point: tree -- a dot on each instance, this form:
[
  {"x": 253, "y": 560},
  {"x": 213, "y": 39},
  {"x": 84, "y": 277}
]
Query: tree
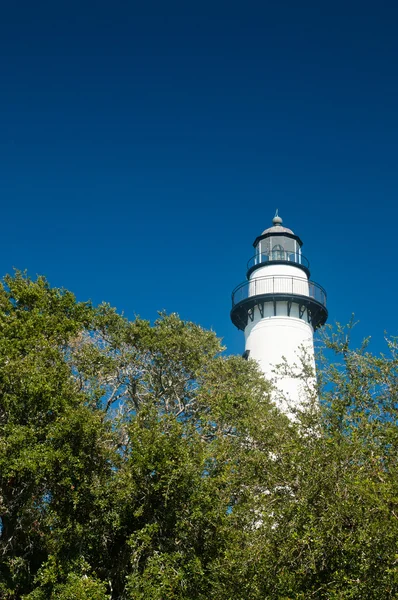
[
  {"x": 122, "y": 448},
  {"x": 184, "y": 417},
  {"x": 137, "y": 461},
  {"x": 52, "y": 445},
  {"x": 331, "y": 525}
]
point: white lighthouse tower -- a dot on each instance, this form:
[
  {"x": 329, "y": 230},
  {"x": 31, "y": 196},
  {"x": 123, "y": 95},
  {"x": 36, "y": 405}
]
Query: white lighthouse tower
[{"x": 279, "y": 308}]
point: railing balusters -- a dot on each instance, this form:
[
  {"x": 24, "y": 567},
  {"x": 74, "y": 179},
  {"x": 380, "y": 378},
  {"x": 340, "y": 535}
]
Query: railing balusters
[
  {"x": 280, "y": 284},
  {"x": 283, "y": 256}
]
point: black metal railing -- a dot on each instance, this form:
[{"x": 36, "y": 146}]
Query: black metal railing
[
  {"x": 278, "y": 255},
  {"x": 284, "y": 285}
]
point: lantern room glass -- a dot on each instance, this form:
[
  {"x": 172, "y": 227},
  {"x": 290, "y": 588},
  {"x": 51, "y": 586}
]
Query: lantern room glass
[{"x": 278, "y": 248}]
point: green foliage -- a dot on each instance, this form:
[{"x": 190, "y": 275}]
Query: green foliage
[
  {"x": 47, "y": 434},
  {"x": 79, "y": 584},
  {"x": 329, "y": 527},
  {"x": 136, "y": 461}
]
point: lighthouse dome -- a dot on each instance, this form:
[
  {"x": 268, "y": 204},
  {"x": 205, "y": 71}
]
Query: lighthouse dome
[{"x": 277, "y": 226}]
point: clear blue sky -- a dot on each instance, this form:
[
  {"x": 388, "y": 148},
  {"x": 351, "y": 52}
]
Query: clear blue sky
[{"x": 145, "y": 145}]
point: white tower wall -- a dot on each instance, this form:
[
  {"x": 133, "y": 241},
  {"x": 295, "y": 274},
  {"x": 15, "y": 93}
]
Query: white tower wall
[
  {"x": 279, "y": 279},
  {"x": 272, "y": 340},
  {"x": 286, "y": 270},
  {"x": 275, "y": 339}
]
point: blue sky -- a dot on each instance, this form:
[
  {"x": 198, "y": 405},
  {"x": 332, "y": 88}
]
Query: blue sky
[{"x": 144, "y": 146}]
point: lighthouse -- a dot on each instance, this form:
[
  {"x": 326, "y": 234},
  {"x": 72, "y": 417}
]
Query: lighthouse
[{"x": 279, "y": 308}]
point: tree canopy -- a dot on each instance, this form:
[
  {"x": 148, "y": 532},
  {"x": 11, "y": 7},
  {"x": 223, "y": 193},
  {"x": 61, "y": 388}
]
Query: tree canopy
[{"x": 138, "y": 461}]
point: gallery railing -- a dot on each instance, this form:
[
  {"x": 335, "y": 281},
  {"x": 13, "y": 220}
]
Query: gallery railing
[
  {"x": 284, "y": 285},
  {"x": 278, "y": 255}
]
